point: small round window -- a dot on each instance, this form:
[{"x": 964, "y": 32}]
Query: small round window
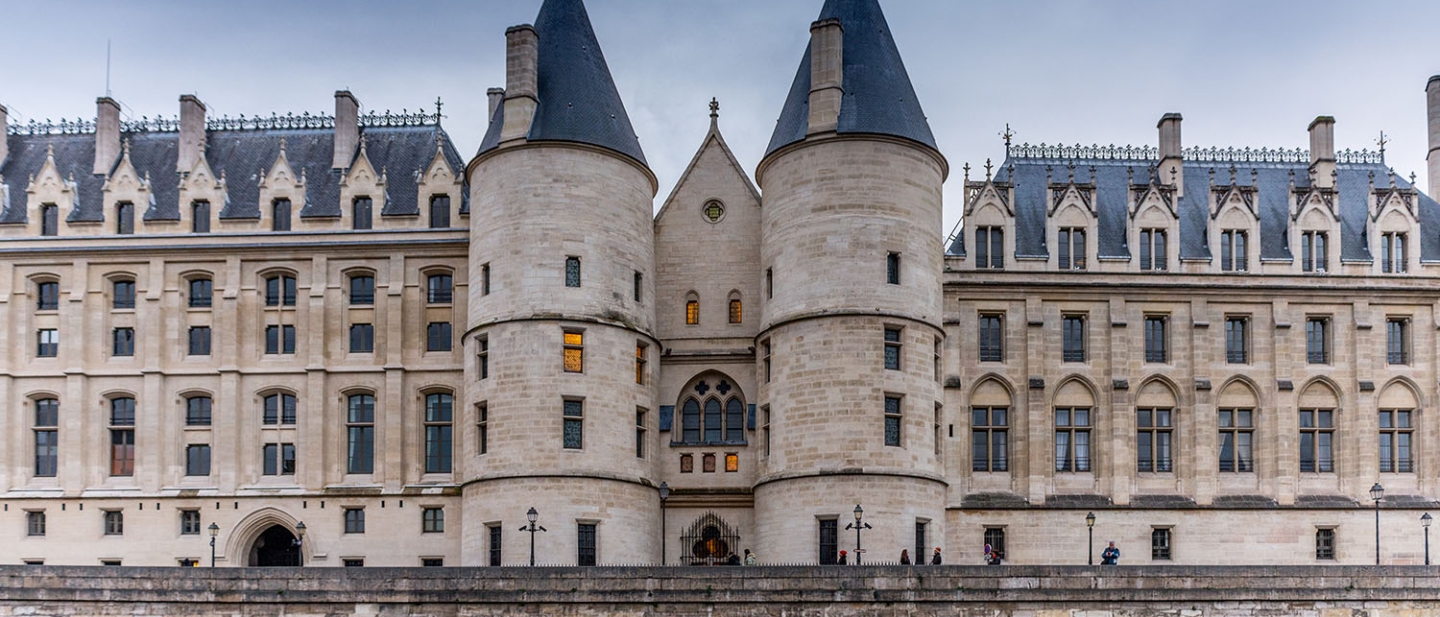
[{"x": 714, "y": 211}]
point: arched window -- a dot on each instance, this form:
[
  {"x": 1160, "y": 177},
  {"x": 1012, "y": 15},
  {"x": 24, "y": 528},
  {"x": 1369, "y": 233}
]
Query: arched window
[
  {"x": 122, "y": 294},
  {"x": 439, "y": 414},
  {"x": 201, "y": 291},
  {"x": 690, "y": 421},
  {"x": 736, "y": 309},
  {"x": 47, "y": 437},
  {"x": 712, "y": 414},
  {"x": 279, "y": 408},
  {"x": 692, "y": 309},
  {"x": 1074, "y": 419},
  {"x": 990, "y": 427},
  {"x": 362, "y": 289},
  {"x": 1237, "y": 408},
  {"x": 1397, "y": 429},
  {"x": 280, "y": 290},
  {"x": 439, "y": 288},
  {"x": 1318, "y": 407},
  {"x": 122, "y": 436},
  {"x": 360, "y": 434},
  {"x": 47, "y": 295},
  {"x": 1155, "y": 428}
]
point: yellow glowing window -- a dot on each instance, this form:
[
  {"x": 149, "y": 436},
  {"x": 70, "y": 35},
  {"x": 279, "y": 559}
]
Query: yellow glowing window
[
  {"x": 692, "y": 312},
  {"x": 732, "y": 462},
  {"x": 574, "y": 352},
  {"x": 639, "y": 364},
  {"x": 735, "y": 311}
]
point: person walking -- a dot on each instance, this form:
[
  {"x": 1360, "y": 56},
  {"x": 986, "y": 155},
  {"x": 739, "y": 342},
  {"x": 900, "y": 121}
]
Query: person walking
[
  {"x": 904, "y": 556},
  {"x": 935, "y": 561},
  {"x": 1111, "y": 556},
  {"x": 750, "y": 558},
  {"x": 842, "y": 558}
]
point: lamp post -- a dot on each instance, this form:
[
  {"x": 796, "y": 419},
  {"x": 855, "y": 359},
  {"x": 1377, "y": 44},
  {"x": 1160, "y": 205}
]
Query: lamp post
[
  {"x": 1425, "y": 522},
  {"x": 1377, "y": 493},
  {"x": 857, "y": 526},
  {"x": 215, "y": 531},
  {"x": 1090, "y": 525},
  {"x": 300, "y": 542},
  {"x": 532, "y": 516},
  {"x": 664, "y": 496}
]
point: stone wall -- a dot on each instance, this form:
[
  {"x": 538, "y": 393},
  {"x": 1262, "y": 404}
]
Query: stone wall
[{"x": 835, "y": 590}]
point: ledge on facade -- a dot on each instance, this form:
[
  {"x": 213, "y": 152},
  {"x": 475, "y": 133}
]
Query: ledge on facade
[
  {"x": 1324, "y": 501},
  {"x": 1409, "y": 501},
  {"x": 1161, "y": 502},
  {"x": 1244, "y": 501},
  {"x": 994, "y": 500},
  {"x": 1078, "y": 501}
]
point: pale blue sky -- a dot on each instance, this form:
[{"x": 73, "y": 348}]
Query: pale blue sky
[{"x": 1243, "y": 73}]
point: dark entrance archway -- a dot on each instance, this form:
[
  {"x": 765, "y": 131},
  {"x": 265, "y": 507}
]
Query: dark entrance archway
[{"x": 275, "y": 547}]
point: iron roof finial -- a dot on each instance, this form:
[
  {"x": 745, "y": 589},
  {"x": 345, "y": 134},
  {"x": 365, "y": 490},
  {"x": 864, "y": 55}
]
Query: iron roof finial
[
  {"x": 1412, "y": 179},
  {"x": 1008, "y": 135},
  {"x": 1173, "y": 172},
  {"x": 438, "y": 106},
  {"x": 1381, "y": 142},
  {"x": 967, "y": 171},
  {"x": 714, "y": 107},
  {"x": 987, "y": 170}
]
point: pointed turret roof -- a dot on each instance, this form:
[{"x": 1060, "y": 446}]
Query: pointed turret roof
[
  {"x": 879, "y": 98},
  {"x": 578, "y": 101}
]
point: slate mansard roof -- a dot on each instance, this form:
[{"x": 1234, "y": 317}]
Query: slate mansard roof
[
  {"x": 403, "y": 149},
  {"x": 879, "y": 98},
  {"x": 578, "y": 101},
  {"x": 1271, "y": 179}
]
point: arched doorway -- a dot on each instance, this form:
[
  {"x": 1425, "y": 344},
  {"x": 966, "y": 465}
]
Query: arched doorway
[{"x": 275, "y": 547}]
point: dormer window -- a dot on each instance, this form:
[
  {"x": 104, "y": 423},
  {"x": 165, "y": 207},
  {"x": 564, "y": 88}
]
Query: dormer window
[
  {"x": 125, "y": 218},
  {"x": 1232, "y": 251},
  {"x": 1072, "y": 248},
  {"x": 989, "y": 247},
  {"x": 280, "y": 221},
  {"x": 1392, "y": 252},
  {"x": 49, "y": 220},
  {"x": 440, "y": 212},
  {"x": 362, "y": 212},
  {"x": 1152, "y": 250},
  {"x": 1313, "y": 245},
  {"x": 200, "y": 217}
]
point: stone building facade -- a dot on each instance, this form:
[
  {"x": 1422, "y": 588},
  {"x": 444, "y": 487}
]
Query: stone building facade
[{"x": 280, "y": 330}]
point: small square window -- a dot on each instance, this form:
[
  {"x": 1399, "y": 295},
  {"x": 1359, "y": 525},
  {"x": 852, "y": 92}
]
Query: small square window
[
  {"x": 114, "y": 523},
  {"x": 732, "y": 462},
  {"x": 432, "y": 520},
  {"x": 1160, "y": 544},
  {"x": 354, "y": 520},
  {"x": 199, "y": 341},
  {"x": 687, "y": 463},
  {"x": 189, "y": 522},
  {"x": 354, "y": 563}
]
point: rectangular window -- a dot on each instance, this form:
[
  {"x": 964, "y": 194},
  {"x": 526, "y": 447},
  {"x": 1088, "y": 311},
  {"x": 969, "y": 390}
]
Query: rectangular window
[
  {"x": 892, "y": 420},
  {"x": 572, "y": 271},
  {"x": 47, "y": 437},
  {"x": 639, "y": 433},
  {"x": 482, "y": 411},
  {"x": 687, "y": 463},
  {"x": 692, "y": 312},
  {"x": 485, "y": 279},
  {"x": 1325, "y": 544},
  {"x": 1397, "y": 340},
  {"x": 362, "y": 338},
  {"x": 1237, "y": 432},
  {"x": 440, "y": 212},
  {"x": 125, "y": 218},
  {"x": 1317, "y": 340},
  {"x": 279, "y": 459},
  {"x": 280, "y": 291},
  {"x": 279, "y": 339},
  {"x": 990, "y": 438},
  {"x": 1072, "y": 248},
  {"x": 1073, "y": 338},
  {"x": 197, "y": 411},
  {"x": 707, "y": 463},
  {"x": 936, "y": 359},
  {"x": 199, "y": 341},
  {"x": 197, "y": 460},
  {"x": 35, "y": 524},
  {"x": 279, "y": 409},
  {"x": 640, "y": 363},
  {"x": 114, "y": 523},
  {"x": 49, "y": 220},
  {"x": 432, "y": 520},
  {"x": 48, "y": 296},
  {"x": 482, "y": 356},
  {"x": 439, "y": 431},
  {"x": 362, "y": 213},
  {"x": 354, "y": 520},
  {"x": 1153, "y": 250},
  {"x": 765, "y": 358},
  {"x": 201, "y": 290},
  {"x": 1234, "y": 256},
  {"x": 989, "y": 248},
  {"x": 574, "y": 351},
  {"x": 362, "y": 290},
  {"x": 1153, "y": 439},
  {"x": 1237, "y": 340},
  {"x": 892, "y": 349},
  {"x": 1157, "y": 339},
  {"x": 200, "y": 217},
  {"x": 769, "y": 283},
  {"x": 124, "y": 342},
  {"x": 1072, "y": 439},
  {"x": 892, "y": 269},
  {"x": 829, "y": 541},
  {"x": 992, "y": 337},
  {"x": 737, "y": 311},
  {"x": 360, "y": 434},
  {"x": 122, "y": 452},
  {"x": 437, "y": 336},
  {"x": 439, "y": 289},
  {"x": 920, "y": 543},
  {"x": 765, "y": 427},
  {"x": 639, "y": 285},
  {"x": 732, "y": 462},
  {"x": 1396, "y": 433},
  {"x": 1317, "y": 440},
  {"x": 189, "y": 522},
  {"x": 574, "y": 429},
  {"x": 496, "y": 545},
  {"x": 47, "y": 343},
  {"x": 1160, "y": 544},
  {"x": 123, "y": 295},
  {"x": 586, "y": 541},
  {"x": 1393, "y": 253},
  {"x": 353, "y": 563},
  {"x": 1313, "y": 251},
  {"x": 280, "y": 221},
  {"x": 995, "y": 539}
]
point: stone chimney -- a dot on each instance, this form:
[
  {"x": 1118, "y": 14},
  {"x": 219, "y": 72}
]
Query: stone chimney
[
  {"x": 1171, "y": 159},
  {"x": 1322, "y": 151},
  {"x": 827, "y": 74},
  {"x": 192, "y": 133},
  {"x": 496, "y": 96},
  {"x": 522, "y": 62},
  {"x": 347, "y": 128},
  {"x": 1432, "y": 108},
  {"x": 4, "y": 128},
  {"x": 107, "y": 134}
]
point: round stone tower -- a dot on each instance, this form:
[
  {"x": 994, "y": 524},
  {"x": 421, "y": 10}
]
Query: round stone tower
[
  {"x": 560, "y": 414},
  {"x": 852, "y": 251}
]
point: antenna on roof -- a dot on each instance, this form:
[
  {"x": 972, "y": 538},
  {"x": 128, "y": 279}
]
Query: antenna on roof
[{"x": 107, "y": 68}]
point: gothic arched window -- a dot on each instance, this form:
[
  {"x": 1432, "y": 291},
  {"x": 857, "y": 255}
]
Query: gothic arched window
[{"x": 712, "y": 414}]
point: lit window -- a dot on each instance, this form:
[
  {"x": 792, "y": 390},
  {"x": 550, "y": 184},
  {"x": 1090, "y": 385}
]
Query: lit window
[
  {"x": 574, "y": 343},
  {"x": 692, "y": 312},
  {"x": 736, "y": 310},
  {"x": 640, "y": 363}
]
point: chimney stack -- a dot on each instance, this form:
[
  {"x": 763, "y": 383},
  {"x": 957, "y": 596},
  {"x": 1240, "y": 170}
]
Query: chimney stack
[
  {"x": 107, "y": 134},
  {"x": 522, "y": 64},
  {"x": 4, "y": 131},
  {"x": 1432, "y": 107},
  {"x": 192, "y": 133},
  {"x": 347, "y": 128},
  {"x": 1322, "y": 151},
  {"x": 496, "y": 96},
  {"x": 827, "y": 74},
  {"x": 1171, "y": 160}
]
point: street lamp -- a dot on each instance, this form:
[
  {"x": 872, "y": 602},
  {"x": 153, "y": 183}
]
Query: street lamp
[
  {"x": 215, "y": 531},
  {"x": 299, "y": 543},
  {"x": 1377, "y": 493},
  {"x": 664, "y": 496},
  {"x": 857, "y": 526},
  {"x": 1090, "y": 524},
  {"x": 1425, "y": 522},
  {"x": 532, "y": 516}
]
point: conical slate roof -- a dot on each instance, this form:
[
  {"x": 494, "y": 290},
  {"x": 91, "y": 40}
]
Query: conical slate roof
[
  {"x": 879, "y": 98},
  {"x": 578, "y": 99}
]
